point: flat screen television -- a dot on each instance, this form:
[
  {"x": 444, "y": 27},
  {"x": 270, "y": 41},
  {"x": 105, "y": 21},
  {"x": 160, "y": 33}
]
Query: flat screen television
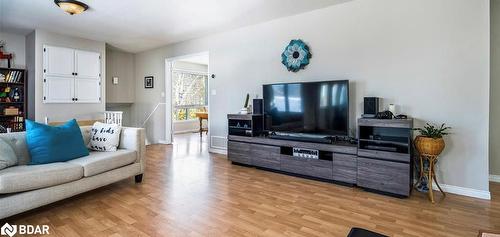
[{"x": 316, "y": 108}]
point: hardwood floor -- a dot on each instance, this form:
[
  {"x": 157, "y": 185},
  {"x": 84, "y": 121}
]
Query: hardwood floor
[{"x": 186, "y": 192}]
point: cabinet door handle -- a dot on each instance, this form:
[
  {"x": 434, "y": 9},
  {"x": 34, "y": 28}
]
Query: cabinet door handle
[
  {"x": 76, "y": 99},
  {"x": 76, "y": 73},
  {"x": 73, "y": 99}
]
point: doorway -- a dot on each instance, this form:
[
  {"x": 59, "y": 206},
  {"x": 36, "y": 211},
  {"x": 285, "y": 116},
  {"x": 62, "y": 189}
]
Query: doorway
[{"x": 187, "y": 100}]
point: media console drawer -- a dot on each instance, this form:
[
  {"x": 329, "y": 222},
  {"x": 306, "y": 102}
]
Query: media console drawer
[
  {"x": 386, "y": 176},
  {"x": 265, "y": 156},
  {"x": 304, "y": 166},
  {"x": 345, "y": 168},
  {"x": 239, "y": 152}
]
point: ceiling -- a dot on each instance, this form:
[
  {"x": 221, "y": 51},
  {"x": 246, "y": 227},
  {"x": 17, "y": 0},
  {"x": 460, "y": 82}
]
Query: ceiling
[{"x": 138, "y": 25}]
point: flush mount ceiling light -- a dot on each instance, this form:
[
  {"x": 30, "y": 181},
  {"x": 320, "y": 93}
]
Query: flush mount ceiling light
[{"x": 71, "y": 6}]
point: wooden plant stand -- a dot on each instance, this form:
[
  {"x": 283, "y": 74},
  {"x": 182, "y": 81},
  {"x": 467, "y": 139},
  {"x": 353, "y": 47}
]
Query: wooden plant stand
[{"x": 430, "y": 174}]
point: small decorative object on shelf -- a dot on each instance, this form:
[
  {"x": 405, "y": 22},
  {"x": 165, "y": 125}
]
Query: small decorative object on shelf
[
  {"x": 296, "y": 55},
  {"x": 429, "y": 144},
  {"x": 245, "y": 109},
  {"x": 4, "y": 55}
]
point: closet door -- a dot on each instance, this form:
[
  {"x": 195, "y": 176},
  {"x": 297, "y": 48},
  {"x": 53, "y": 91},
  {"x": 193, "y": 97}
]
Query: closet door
[
  {"x": 58, "y": 61},
  {"x": 88, "y": 77},
  {"x": 58, "y": 89},
  {"x": 87, "y": 64},
  {"x": 87, "y": 90}
]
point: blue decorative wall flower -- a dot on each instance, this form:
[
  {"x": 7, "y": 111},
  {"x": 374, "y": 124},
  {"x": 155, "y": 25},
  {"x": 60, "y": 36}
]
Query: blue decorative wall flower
[{"x": 296, "y": 55}]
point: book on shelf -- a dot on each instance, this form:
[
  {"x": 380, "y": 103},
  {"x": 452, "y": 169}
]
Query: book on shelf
[{"x": 13, "y": 76}]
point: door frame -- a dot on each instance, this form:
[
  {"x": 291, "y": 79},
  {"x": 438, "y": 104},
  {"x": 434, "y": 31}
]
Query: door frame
[{"x": 169, "y": 125}]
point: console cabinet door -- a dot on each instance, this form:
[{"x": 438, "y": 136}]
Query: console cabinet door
[
  {"x": 386, "y": 176},
  {"x": 58, "y": 61},
  {"x": 87, "y": 64},
  {"x": 239, "y": 152},
  {"x": 58, "y": 89},
  {"x": 266, "y": 156},
  {"x": 87, "y": 90},
  {"x": 345, "y": 168}
]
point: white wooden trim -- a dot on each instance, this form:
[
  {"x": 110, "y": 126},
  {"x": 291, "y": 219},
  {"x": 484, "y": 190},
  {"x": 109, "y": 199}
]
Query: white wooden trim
[
  {"x": 495, "y": 178},
  {"x": 218, "y": 151},
  {"x": 190, "y": 71},
  {"x": 475, "y": 193},
  {"x": 187, "y": 131}
]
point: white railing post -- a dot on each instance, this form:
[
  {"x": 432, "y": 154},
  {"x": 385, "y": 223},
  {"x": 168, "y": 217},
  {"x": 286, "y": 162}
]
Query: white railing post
[{"x": 113, "y": 117}]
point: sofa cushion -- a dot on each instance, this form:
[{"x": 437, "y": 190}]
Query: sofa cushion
[
  {"x": 100, "y": 162},
  {"x": 8, "y": 156},
  {"x": 17, "y": 140},
  {"x": 104, "y": 137},
  {"x": 48, "y": 144},
  {"x": 29, "y": 177}
]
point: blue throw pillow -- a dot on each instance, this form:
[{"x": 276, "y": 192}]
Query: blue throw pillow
[{"x": 48, "y": 144}]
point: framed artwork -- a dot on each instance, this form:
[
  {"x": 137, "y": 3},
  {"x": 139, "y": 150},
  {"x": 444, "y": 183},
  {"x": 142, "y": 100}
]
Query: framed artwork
[{"x": 149, "y": 82}]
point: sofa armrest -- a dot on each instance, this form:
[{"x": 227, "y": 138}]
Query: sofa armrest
[{"x": 134, "y": 139}]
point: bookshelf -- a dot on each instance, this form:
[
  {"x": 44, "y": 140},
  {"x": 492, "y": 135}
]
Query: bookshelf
[{"x": 13, "y": 99}]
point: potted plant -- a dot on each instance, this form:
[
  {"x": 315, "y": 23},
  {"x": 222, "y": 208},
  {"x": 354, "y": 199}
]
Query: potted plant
[{"x": 430, "y": 141}]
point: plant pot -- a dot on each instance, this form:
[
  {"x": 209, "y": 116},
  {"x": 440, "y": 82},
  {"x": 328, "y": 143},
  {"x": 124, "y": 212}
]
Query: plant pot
[{"x": 429, "y": 146}]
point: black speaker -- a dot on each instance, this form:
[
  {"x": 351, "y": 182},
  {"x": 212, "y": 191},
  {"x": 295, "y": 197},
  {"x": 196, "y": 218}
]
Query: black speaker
[
  {"x": 371, "y": 107},
  {"x": 258, "y": 106}
]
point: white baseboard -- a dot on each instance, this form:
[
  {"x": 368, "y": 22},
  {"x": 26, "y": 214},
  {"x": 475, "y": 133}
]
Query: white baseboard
[
  {"x": 163, "y": 142},
  {"x": 217, "y": 151},
  {"x": 187, "y": 131},
  {"x": 464, "y": 191},
  {"x": 495, "y": 178}
]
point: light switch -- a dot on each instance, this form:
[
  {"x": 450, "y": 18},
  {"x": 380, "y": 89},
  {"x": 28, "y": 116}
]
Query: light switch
[
  {"x": 214, "y": 92},
  {"x": 115, "y": 80},
  {"x": 162, "y": 94}
]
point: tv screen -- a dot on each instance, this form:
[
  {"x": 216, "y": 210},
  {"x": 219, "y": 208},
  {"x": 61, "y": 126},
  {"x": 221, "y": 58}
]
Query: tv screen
[{"x": 313, "y": 107}]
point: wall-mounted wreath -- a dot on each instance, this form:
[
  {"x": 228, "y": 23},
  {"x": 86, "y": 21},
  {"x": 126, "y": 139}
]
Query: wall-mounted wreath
[{"x": 296, "y": 55}]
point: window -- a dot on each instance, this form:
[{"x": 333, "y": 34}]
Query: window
[{"x": 189, "y": 94}]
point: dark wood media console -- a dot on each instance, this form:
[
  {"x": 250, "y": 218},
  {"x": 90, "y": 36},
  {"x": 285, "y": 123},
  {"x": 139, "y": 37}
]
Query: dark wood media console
[
  {"x": 336, "y": 162},
  {"x": 370, "y": 166}
]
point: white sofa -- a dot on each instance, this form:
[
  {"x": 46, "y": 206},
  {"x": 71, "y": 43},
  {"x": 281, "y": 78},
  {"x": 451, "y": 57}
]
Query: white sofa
[{"x": 24, "y": 187}]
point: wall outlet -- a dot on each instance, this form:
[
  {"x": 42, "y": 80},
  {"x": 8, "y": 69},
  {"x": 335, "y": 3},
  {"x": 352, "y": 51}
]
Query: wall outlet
[{"x": 115, "y": 80}]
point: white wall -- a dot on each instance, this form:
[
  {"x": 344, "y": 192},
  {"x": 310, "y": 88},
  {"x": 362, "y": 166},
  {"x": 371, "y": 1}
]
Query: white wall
[
  {"x": 495, "y": 89},
  {"x": 62, "y": 112},
  {"x": 119, "y": 64},
  {"x": 14, "y": 44},
  {"x": 429, "y": 56}
]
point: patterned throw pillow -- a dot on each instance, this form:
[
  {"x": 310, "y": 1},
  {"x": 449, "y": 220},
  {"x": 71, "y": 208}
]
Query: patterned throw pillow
[
  {"x": 104, "y": 137},
  {"x": 7, "y": 155}
]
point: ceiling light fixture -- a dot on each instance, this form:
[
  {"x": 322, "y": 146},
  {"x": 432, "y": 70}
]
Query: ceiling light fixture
[{"x": 71, "y": 6}]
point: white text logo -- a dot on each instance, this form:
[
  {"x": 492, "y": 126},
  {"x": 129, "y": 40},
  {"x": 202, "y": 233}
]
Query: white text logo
[{"x": 11, "y": 230}]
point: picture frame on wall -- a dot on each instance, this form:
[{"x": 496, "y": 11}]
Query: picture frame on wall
[{"x": 148, "y": 82}]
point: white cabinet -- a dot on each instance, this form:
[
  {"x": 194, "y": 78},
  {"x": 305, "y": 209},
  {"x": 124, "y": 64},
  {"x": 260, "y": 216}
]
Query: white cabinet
[
  {"x": 58, "y": 89},
  {"x": 87, "y": 64},
  {"x": 87, "y": 90},
  {"x": 71, "y": 76},
  {"x": 59, "y": 61}
]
